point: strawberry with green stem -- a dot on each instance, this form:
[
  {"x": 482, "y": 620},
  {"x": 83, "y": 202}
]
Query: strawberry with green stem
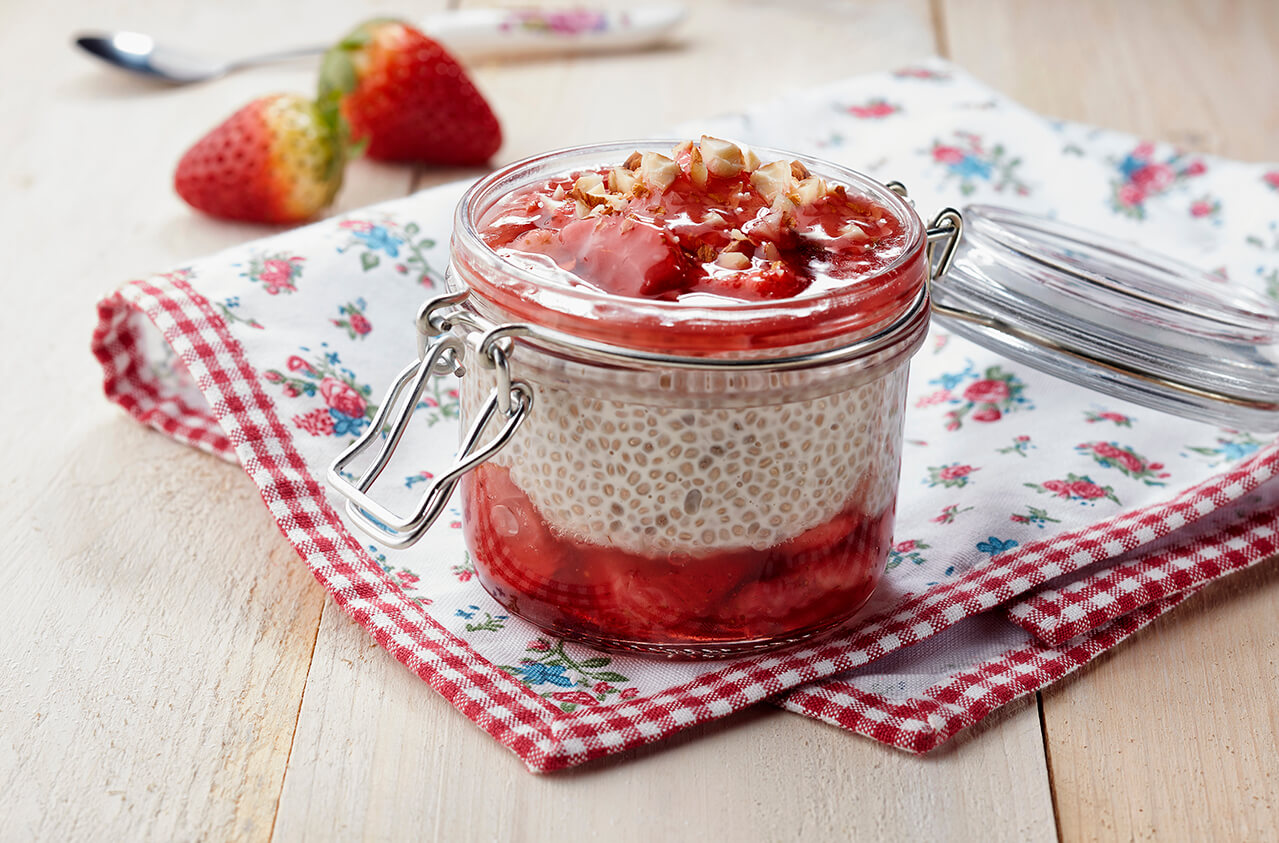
[
  {"x": 405, "y": 97},
  {"x": 277, "y": 160}
]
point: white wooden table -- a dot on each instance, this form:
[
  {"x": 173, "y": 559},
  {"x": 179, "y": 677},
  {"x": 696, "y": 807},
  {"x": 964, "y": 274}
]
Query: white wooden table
[{"x": 170, "y": 671}]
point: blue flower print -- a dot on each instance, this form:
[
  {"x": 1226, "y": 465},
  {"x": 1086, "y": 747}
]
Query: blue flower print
[
  {"x": 535, "y": 673},
  {"x": 379, "y": 238},
  {"x": 344, "y": 424},
  {"x": 971, "y": 167},
  {"x": 994, "y": 546}
]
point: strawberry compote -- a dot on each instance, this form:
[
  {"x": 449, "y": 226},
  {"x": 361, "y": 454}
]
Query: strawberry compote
[{"x": 696, "y": 508}]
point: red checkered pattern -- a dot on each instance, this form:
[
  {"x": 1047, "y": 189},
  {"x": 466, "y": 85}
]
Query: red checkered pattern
[
  {"x": 546, "y": 737},
  {"x": 963, "y": 699},
  {"x": 126, "y": 381},
  {"x": 1056, "y": 615}
]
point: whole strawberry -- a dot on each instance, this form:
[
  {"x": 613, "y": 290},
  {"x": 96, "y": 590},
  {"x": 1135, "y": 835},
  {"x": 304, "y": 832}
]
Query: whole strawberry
[
  {"x": 277, "y": 160},
  {"x": 407, "y": 98}
]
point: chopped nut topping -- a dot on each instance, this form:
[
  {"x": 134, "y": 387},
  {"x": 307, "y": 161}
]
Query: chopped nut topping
[
  {"x": 799, "y": 171},
  {"x": 697, "y": 170},
  {"x": 773, "y": 180},
  {"x": 853, "y": 231},
  {"x": 657, "y": 171},
  {"x": 620, "y": 180},
  {"x": 733, "y": 260},
  {"x": 723, "y": 159},
  {"x": 633, "y": 162},
  {"x": 810, "y": 190}
]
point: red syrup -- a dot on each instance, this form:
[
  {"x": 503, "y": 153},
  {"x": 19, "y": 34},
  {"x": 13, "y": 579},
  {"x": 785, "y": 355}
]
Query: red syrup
[
  {"x": 583, "y": 590},
  {"x": 717, "y": 242}
]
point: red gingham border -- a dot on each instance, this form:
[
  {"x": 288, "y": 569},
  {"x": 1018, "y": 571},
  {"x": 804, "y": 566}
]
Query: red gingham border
[
  {"x": 1057, "y": 615},
  {"x": 127, "y": 383},
  {"x": 925, "y": 722},
  {"x": 542, "y": 735}
]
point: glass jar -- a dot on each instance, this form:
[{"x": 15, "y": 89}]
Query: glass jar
[{"x": 694, "y": 478}]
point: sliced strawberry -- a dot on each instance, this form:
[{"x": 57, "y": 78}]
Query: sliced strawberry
[{"x": 621, "y": 255}]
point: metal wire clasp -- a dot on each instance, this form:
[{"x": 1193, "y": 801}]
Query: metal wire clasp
[
  {"x": 947, "y": 226},
  {"x": 440, "y": 353}
]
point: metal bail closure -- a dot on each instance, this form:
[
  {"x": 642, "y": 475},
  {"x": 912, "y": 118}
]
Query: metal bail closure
[{"x": 441, "y": 355}]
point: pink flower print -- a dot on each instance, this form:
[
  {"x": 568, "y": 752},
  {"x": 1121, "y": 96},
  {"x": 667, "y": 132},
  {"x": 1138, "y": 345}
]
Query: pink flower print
[
  {"x": 290, "y": 391},
  {"x": 273, "y": 376},
  {"x": 1153, "y": 178},
  {"x": 1131, "y": 195},
  {"x": 1196, "y": 168},
  {"x": 629, "y": 693},
  {"x": 905, "y": 547},
  {"x": 318, "y": 422},
  {"x": 873, "y": 109},
  {"x": 1058, "y": 487},
  {"x": 356, "y": 225},
  {"x": 574, "y": 697},
  {"x": 603, "y": 687},
  {"x": 1272, "y": 178},
  {"x": 275, "y": 273},
  {"x": 1117, "y": 418},
  {"x": 1201, "y": 208},
  {"x": 987, "y": 392},
  {"x": 1125, "y": 458},
  {"x": 1145, "y": 150},
  {"x": 1082, "y": 489},
  {"x": 343, "y": 397},
  {"x": 407, "y": 577},
  {"x": 359, "y": 324},
  {"x": 988, "y": 414},
  {"x": 1022, "y": 438},
  {"x": 954, "y": 472},
  {"x": 538, "y": 644},
  {"x": 939, "y": 397},
  {"x": 948, "y": 154},
  {"x": 297, "y": 364}
]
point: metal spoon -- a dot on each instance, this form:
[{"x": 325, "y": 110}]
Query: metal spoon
[
  {"x": 467, "y": 33},
  {"x": 138, "y": 53}
]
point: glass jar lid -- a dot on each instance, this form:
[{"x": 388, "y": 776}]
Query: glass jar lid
[{"x": 1119, "y": 319}]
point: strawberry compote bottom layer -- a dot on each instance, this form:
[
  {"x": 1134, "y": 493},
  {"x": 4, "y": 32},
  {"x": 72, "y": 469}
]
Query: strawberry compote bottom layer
[{"x": 720, "y": 603}]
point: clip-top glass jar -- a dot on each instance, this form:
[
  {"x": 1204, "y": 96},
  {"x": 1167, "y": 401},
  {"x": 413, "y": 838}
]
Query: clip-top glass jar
[{"x": 695, "y": 475}]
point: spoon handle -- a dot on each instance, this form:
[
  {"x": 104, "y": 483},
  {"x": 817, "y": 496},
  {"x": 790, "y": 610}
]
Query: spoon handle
[{"x": 271, "y": 58}]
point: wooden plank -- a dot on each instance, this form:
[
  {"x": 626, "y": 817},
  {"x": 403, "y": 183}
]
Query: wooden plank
[
  {"x": 1175, "y": 735},
  {"x": 378, "y": 754},
  {"x": 157, "y": 627},
  {"x": 1197, "y": 72}
]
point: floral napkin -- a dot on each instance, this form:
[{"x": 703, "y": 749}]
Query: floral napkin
[{"x": 1031, "y": 509}]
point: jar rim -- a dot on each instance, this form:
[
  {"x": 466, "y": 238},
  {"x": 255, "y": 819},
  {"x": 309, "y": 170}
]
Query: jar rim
[{"x": 716, "y": 327}]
